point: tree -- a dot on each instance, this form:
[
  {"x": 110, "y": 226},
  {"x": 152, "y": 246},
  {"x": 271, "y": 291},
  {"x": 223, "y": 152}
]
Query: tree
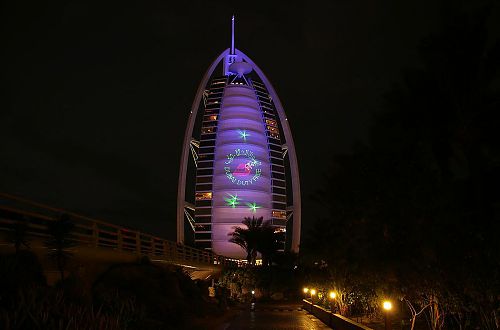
[
  {"x": 258, "y": 236},
  {"x": 269, "y": 242},
  {"x": 419, "y": 204},
  {"x": 247, "y": 237},
  {"x": 60, "y": 241},
  {"x": 18, "y": 235}
]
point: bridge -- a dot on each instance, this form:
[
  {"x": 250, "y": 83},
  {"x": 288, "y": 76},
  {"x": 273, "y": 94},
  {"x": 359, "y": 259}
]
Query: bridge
[{"x": 98, "y": 244}]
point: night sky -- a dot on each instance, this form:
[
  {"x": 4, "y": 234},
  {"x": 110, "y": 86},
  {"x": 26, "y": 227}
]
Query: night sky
[{"x": 99, "y": 94}]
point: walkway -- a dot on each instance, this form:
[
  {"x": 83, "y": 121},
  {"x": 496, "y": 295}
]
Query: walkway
[
  {"x": 272, "y": 316},
  {"x": 95, "y": 238}
]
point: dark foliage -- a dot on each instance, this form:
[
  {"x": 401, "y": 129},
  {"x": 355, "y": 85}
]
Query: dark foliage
[
  {"x": 60, "y": 241},
  {"x": 416, "y": 212},
  {"x": 258, "y": 236},
  {"x": 19, "y": 271},
  {"x": 17, "y": 235},
  {"x": 164, "y": 298}
]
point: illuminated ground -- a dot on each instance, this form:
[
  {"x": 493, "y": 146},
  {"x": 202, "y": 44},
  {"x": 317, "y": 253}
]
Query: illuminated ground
[{"x": 272, "y": 316}]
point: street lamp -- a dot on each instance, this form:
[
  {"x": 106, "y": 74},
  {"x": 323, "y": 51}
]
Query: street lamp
[
  {"x": 252, "y": 304},
  {"x": 332, "y": 295},
  {"x": 387, "y": 305},
  {"x": 313, "y": 292}
]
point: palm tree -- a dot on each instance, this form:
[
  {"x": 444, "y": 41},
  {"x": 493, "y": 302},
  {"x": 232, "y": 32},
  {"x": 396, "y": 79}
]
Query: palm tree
[
  {"x": 18, "y": 234},
  {"x": 258, "y": 236},
  {"x": 60, "y": 241},
  {"x": 269, "y": 242},
  {"x": 248, "y": 237}
]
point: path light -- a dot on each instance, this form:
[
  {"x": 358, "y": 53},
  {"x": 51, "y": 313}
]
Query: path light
[
  {"x": 253, "y": 292},
  {"x": 332, "y": 295},
  {"x": 387, "y": 305},
  {"x": 313, "y": 292}
]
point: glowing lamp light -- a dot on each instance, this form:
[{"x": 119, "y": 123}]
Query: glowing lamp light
[
  {"x": 313, "y": 292},
  {"x": 306, "y": 290},
  {"x": 387, "y": 305},
  {"x": 332, "y": 295}
]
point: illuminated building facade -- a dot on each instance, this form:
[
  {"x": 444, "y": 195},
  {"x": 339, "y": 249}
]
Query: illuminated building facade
[{"x": 243, "y": 154}]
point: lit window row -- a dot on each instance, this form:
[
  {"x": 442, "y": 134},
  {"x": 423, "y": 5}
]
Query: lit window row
[
  {"x": 271, "y": 122},
  {"x": 272, "y": 129},
  {"x": 207, "y": 130},
  {"x": 203, "y": 196},
  {"x": 279, "y": 214}
]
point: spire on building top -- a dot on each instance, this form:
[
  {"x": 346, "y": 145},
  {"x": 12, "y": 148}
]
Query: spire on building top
[{"x": 232, "y": 36}]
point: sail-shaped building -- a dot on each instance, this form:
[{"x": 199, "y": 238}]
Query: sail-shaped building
[{"x": 243, "y": 155}]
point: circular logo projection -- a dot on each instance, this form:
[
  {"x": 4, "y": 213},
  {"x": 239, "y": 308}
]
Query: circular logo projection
[{"x": 242, "y": 168}]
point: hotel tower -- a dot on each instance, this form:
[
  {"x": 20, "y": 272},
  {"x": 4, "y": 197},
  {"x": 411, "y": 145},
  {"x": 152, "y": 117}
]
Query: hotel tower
[{"x": 244, "y": 157}]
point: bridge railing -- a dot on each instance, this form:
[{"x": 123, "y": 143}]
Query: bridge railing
[{"x": 99, "y": 234}]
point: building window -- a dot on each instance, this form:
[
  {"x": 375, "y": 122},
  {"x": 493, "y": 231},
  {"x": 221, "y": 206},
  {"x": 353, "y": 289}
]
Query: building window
[
  {"x": 272, "y": 129},
  {"x": 202, "y": 236},
  {"x": 207, "y": 211},
  {"x": 204, "y": 164},
  {"x": 199, "y": 227},
  {"x": 275, "y": 148},
  {"x": 204, "y": 179},
  {"x": 207, "y": 150},
  {"x": 274, "y": 135},
  {"x": 203, "y": 203},
  {"x": 277, "y": 190},
  {"x": 279, "y": 206},
  {"x": 212, "y": 117},
  {"x": 278, "y": 198},
  {"x": 205, "y": 171},
  {"x": 278, "y": 183},
  {"x": 277, "y": 175},
  {"x": 271, "y": 122},
  {"x": 204, "y": 245},
  {"x": 203, "y": 196},
  {"x": 279, "y": 214},
  {"x": 209, "y": 137},
  {"x": 207, "y": 130},
  {"x": 203, "y": 187},
  {"x": 203, "y": 157}
]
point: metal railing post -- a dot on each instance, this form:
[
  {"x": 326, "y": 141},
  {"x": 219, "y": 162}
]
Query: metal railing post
[
  {"x": 95, "y": 234},
  {"x": 120, "y": 240},
  {"x": 138, "y": 243}
]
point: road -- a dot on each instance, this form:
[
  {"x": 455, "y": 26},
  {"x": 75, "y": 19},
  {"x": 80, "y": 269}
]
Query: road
[{"x": 289, "y": 317}]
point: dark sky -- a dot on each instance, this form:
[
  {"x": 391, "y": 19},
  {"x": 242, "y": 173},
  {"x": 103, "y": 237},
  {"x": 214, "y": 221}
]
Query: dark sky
[{"x": 99, "y": 93}]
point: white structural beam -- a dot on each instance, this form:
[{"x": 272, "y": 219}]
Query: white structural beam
[{"x": 181, "y": 189}]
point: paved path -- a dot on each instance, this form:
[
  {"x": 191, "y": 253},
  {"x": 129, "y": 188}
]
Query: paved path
[{"x": 267, "y": 317}]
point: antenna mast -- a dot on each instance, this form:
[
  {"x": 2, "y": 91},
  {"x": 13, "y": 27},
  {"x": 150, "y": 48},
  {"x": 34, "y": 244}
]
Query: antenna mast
[{"x": 232, "y": 36}]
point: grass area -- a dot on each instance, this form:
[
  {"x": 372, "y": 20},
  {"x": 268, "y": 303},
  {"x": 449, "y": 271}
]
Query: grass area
[{"x": 126, "y": 296}]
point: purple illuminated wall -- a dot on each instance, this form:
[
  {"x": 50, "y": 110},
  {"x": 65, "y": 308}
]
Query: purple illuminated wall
[{"x": 241, "y": 183}]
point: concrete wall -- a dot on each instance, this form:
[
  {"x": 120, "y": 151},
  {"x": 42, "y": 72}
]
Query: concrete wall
[{"x": 335, "y": 321}]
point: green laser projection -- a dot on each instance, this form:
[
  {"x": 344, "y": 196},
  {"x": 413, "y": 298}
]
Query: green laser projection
[
  {"x": 253, "y": 207},
  {"x": 243, "y": 134},
  {"x": 232, "y": 200}
]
